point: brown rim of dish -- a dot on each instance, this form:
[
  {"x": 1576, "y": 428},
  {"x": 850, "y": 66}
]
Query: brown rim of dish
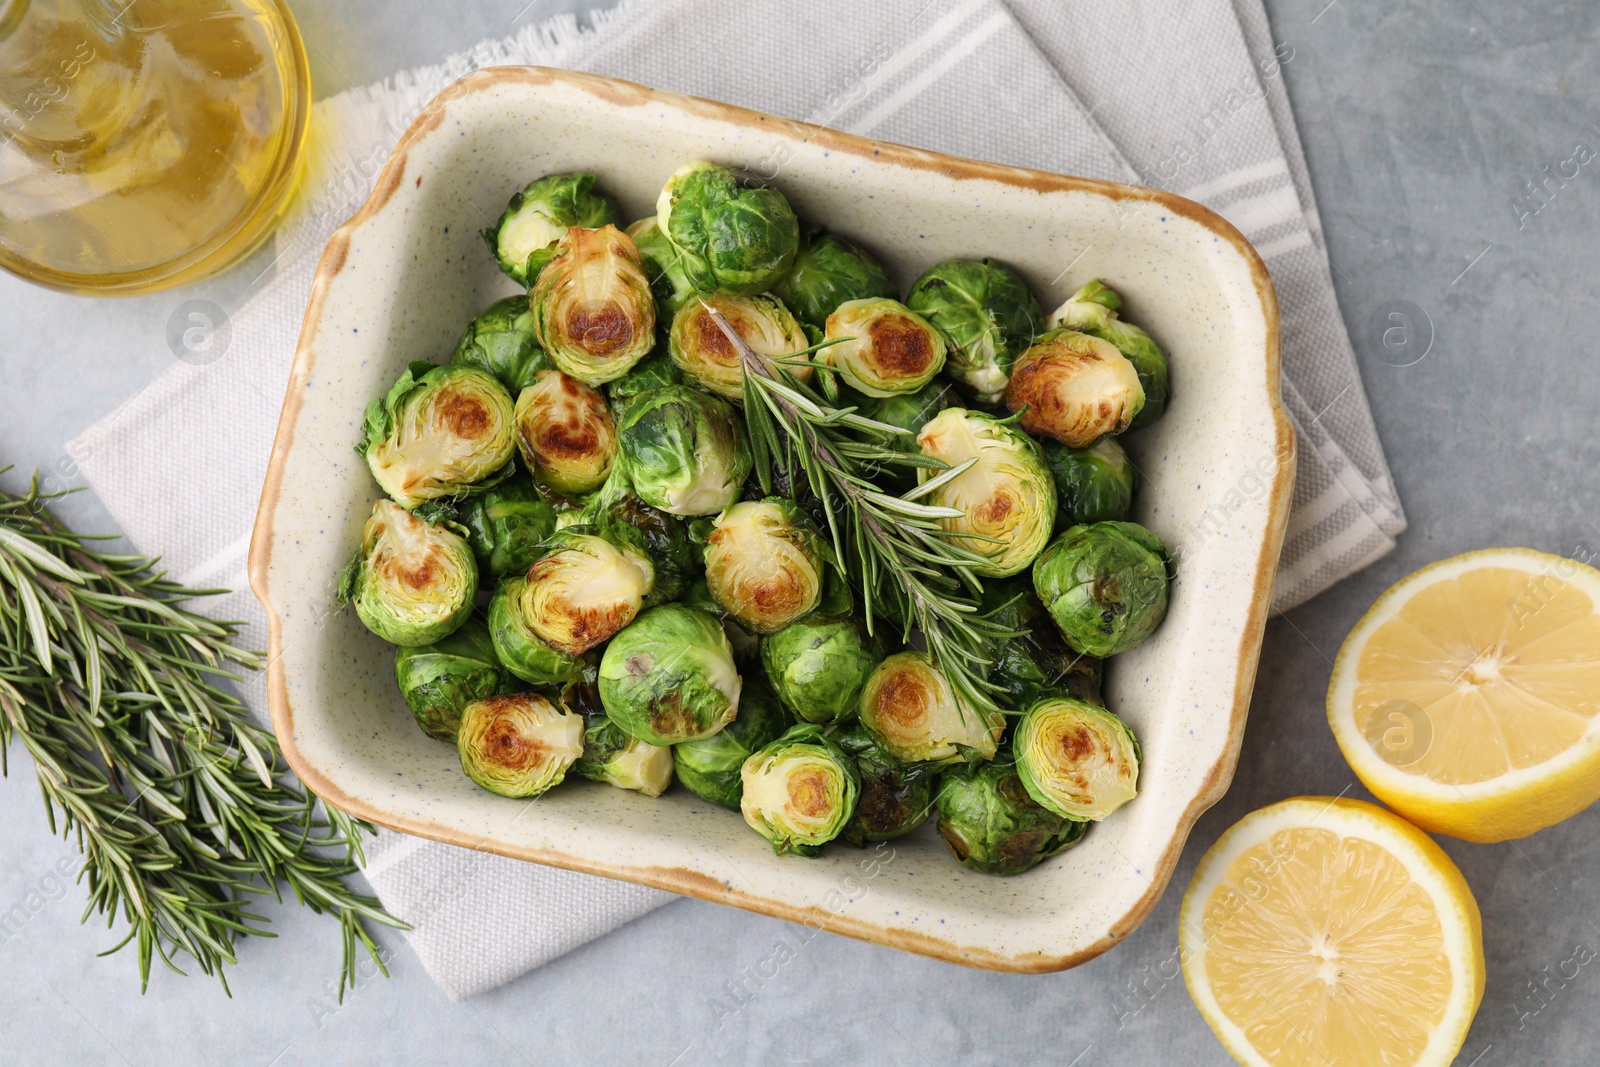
[{"x": 693, "y": 883}]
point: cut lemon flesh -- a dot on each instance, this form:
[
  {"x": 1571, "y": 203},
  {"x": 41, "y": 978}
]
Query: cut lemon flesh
[
  {"x": 1467, "y": 697},
  {"x": 1320, "y": 931}
]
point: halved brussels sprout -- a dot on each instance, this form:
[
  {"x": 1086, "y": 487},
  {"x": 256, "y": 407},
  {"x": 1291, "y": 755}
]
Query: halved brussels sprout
[
  {"x": 799, "y": 791},
  {"x": 440, "y": 679},
  {"x": 1105, "y": 585},
  {"x": 700, "y": 348},
  {"x": 536, "y": 218},
  {"x": 827, "y": 271},
  {"x": 764, "y": 563},
  {"x": 1037, "y": 662},
  {"x": 519, "y": 744},
  {"x": 665, "y": 539},
  {"x": 520, "y": 650},
  {"x": 1078, "y": 760},
  {"x": 732, "y": 234},
  {"x": 506, "y": 526},
  {"x": 909, "y": 706},
  {"x": 887, "y": 350},
  {"x": 441, "y": 432},
  {"x": 819, "y": 666},
  {"x": 1093, "y": 484},
  {"x": 500, "y": 342},
  {"x": 611, "y": 756},
  {"x": 1093, "y": 310},
  {"x": 987, "y": 316},
  {"x": 685, "y": 450},
  {"x": 653, "y": 372},
  {"x": 1074, "y": 388},
  {"x": 896, "y": 796},
  {"x": 565, "y": 433},
  {"x": 592, "y": 307},
  {"x": 669, "y": 676},
  {"x": 1007, "y": 498},
  {"x": 589, "y": 584},
  {"x": 993, "y": 826},
  {"x": 709, "y": 768},
  {"x": 411, "y": 583},
  {"x": 661, "y": 262}
]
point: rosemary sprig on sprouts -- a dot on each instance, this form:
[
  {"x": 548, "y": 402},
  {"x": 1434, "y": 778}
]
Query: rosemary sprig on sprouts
[
  {"x": 892, "y": 547},
  {"x": 176, "y": 797}
]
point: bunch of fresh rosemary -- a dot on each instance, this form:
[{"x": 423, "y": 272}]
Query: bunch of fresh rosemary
[
  {"x": 176, "y": 797},
  {"x": 892, "y": 547}
]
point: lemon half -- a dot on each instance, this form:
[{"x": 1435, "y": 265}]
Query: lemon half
[
  {"x": 1321, "y": 931},
  {"x": 1466, "y": 698}
]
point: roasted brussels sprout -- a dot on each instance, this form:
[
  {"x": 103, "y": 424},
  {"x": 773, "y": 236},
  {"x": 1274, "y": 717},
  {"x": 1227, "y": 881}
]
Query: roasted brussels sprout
[
  {"x": 536, "y": 218},
  {"x": 818, "y": 666},
  {"x": 1078, "y": 760},
  {"x": 592, "y": 307},
  {"x": 519, "y": 744},
  {"x": 1007, "y": 499},
  {"x": 987, "y": 316},
  {"x": 909, "y": 411},
  {"x": 884, "y": 349},
  {"x": 611, "y": 756},
  {"x": 709, "y": 768},
  {"x": 764, "y": 563},
  {"x": 520, "y": 650},
  {"x": 1093, "y": 310},
  {"x": 565, "y": 433},
  {"x": 653, "y": 372},
  {"x": 441, "y": 432},
  {"x": 589, "y": 584},
  {"x": 1036, "y": 662},
  {"x": 732, "y": 234},
  {"x": 1093, "y": 484},
  {"x": 685, "y": 450},
  {"x": 993, "y": 826},
  {"x": 669, "y": 676},
  {"x": 506, "y": 525},
  {"x": 799, "y": 791},
  {"x": 665, "y": 539},
  {"x": 1105, "y": 585},
  {"x": 660, "y": 260},
  {"x": 700, "y": 348},
  {"x": 500, "y": 342},
  {"x": 909, "y": 706},
  {"x": 896, "y": 796},
  {"x": 440, "y": 679},
  {"x": 411, "y": 583},
  {"x": 827, "y": 271},
  {"x": 1074, "y": 388}
]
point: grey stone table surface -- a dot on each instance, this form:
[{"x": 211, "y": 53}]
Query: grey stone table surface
[{"x": 1423, "y": 122}]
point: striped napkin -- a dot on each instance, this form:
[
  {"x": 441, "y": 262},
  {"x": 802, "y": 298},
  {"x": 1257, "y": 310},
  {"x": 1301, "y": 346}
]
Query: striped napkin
[{"x": 1186, "y": 95}]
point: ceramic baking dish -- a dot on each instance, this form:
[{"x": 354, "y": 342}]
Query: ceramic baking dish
[{"x": 399, "y": 281}]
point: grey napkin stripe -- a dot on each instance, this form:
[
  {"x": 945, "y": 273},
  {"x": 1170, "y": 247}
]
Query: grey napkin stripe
[
  {"x": 1259, "y": 41},
  {"x": 961, "y": 77}
]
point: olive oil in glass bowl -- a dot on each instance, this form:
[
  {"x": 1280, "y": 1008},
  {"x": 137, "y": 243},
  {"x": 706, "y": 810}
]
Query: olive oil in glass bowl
[{"x": 147, "y": 143}]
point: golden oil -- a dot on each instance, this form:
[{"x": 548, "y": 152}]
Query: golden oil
[{"x": 145, "y": 143}]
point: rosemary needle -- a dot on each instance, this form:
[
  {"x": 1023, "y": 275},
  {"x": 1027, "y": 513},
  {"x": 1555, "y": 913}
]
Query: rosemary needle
[{"x": 176, "y": 797}]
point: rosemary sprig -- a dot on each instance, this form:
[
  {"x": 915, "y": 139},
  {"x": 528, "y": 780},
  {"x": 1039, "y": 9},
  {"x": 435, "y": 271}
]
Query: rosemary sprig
[
  {"x": 176, "y": 797},
  {"x": 892, "y": 547}
]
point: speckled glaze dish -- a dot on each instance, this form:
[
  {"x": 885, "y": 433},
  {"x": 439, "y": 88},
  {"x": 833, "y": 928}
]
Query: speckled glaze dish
[{"x": 400, "y": 280}]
